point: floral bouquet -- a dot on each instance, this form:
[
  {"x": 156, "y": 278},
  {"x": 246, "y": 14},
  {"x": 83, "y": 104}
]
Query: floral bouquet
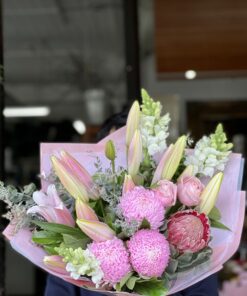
[{"x": 129, "y": 214}]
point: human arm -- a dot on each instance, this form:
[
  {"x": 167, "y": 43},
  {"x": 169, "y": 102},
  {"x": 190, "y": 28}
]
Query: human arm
[{"x": 206, "y": 287}]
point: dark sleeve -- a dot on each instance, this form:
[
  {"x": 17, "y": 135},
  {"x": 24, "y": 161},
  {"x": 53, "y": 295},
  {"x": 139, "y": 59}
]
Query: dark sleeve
[
  {"x": 57, "y": 286},
  {"x": 207, "y": 287}
]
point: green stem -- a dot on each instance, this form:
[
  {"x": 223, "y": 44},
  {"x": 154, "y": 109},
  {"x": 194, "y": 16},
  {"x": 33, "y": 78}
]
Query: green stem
[
  {"x": 102, "y": 208},
  {"x": 146, "y": 160},
  {"x": 113, "y": 173},
  {"x": 113, "y": 167}
]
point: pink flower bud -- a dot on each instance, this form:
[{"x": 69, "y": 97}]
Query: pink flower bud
[
  {"x": 55, "y": 263},
  {"x": 128, "y": 184},
  {"x": 166, "y": 192},
  {"x": 189, "y": 191},
  {"x": 96, "y": 230},
  {"x": 84, "y": 211},
  {"x": 135, "y": 154}
]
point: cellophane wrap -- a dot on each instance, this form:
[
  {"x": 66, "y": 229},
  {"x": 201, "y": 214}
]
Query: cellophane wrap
[{"x": 230, "y": 202}]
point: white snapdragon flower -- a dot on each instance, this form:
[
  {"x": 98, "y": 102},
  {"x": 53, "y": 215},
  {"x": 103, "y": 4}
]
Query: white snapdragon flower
[
  {"x": 154, "y": 133},
  {"x": 153, "y": 126},
  {"x": 206, "y": 159},
  {"x": 85, "y": 264}
]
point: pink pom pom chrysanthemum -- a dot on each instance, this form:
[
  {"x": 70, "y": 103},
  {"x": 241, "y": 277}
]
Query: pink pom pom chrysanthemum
[
  {"x": 149, "y": 252},
  {"x": 113, "y": 258},
  {"x": 139, "y": 204}
]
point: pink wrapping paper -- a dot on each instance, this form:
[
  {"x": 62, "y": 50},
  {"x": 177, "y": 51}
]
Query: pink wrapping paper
[{"x": 231, "y": 202}]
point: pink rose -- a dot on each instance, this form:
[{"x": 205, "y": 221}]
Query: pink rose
[
  {"x": 166, "y": 192},
  {"x": 189, "y": 191}
]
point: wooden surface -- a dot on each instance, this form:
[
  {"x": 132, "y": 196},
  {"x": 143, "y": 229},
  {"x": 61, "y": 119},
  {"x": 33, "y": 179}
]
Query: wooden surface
[{"x": 208, "y": 36}]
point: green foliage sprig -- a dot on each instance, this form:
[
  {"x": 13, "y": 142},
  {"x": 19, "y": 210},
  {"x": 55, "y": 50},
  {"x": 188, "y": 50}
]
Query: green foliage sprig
[{"x": 17, "y": 203}]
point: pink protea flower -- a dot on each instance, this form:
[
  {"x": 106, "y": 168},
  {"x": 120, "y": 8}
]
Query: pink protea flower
[
  {"x": 141, "y": 203},
  {"x": 113, "y": 258},
  {"x": 188, "y": 231},
  {"x": 189, "y": 190},
  {"x": 149, "y": 252},
  {"x": 166, "y": 191}
]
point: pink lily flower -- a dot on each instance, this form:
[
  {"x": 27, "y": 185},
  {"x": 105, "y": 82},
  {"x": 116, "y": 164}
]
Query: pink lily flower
[
  {"x": 97, "y": 231},
  {"x": 50, "y": 207}
]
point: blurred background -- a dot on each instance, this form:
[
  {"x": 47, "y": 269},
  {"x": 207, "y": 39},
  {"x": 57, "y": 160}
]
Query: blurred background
[{"x": 70, "y": 64}]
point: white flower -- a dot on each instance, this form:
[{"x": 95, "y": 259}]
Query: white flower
[
  {"x": 85, "y": 264},
  {"x": 154, "y": 132},
  {"x": 206, "y": 159}
]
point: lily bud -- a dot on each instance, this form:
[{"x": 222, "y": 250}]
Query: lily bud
[
  {"x": 97, "y": 231},
  {"x": 135, "y": 154},
  {"x": 84, "y": 211},
  {"x": 55, "y": 263},
  {"x": 69, "y": 180},
  {"x": 110, "y": 151},
  {"x": 174, "y": 159},
  {"x": 158, "y": 172},
  {"x": 188, "y": 172},
  {"x": 128, "y": 184},
  {"x": 210, "y": 194},
  {"x": 80, "y": 173},
  {"x": 132, "y": 122}
]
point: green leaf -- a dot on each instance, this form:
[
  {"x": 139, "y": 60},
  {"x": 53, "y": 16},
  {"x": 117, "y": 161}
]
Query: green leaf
[
  {"x": 50, "y": 249},
  {"x": 177, "y": 207},
  {"x": 218, "y": 224},
  {"x": 188, "y": 260},
  {"x": 172, "y": 266},
  {"x": 109, "y": 218},
  {"x": 123, "y": 281},
  {"x": 152, "y": 287},
  {"x": 174, "y": 251},
  {"x": 75, "y": 241},
  {"x": 99, "y": 208},
  {"x": 92, "y": 204},
  {"x": 59, "y": 228},
  {"x": 47, "y": 238},
  {"x": 145, "y": 224},
  {"x": 214, "y": 214},
  {"x": 131, "y": 282},
  {"x": 186, "y": 257}
]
